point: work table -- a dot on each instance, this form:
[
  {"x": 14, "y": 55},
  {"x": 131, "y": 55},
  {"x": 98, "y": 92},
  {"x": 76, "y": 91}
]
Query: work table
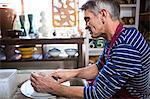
[{"x": 23, "y": 75}]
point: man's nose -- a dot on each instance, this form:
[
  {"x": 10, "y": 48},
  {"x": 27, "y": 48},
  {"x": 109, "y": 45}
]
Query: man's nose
[{"x": 87, "y": 25}]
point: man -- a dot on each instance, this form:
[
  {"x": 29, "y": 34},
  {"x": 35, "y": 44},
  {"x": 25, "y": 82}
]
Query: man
[{"x": 121, "y": 70}]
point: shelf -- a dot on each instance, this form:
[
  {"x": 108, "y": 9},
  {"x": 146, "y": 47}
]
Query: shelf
[
  {"x": 10, "y": 43},
  {"x": 45, "y": 59},
  {"x": 100, "y": 38},
  {"x": 130, "y": 26},
  {"x": 38, "y": 57},
  {"x": 145, "y": 14},
  {"x": 95, "y": 51},
  {"x": 127, "y": 5},
  {"x": 17, "y": 41}
]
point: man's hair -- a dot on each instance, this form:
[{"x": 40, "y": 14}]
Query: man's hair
[{"x": 112, "y": 6}]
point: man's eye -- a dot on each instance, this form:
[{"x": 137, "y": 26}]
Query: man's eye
[{"x": 86, "y": 19}]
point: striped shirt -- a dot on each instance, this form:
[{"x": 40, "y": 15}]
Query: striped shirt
[{"x": 127, "y": 66}]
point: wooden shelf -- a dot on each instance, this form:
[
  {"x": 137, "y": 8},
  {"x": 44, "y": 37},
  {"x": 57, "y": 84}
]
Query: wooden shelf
[
  {"x": 145, "y": 16},
  {"x": 17, "y": 41},
  {"x": 127, "y": 5},
  {"x": 95, "y": 51},
  {"x": 130, "y": 25},
  {"x": 44, "y": 57}
]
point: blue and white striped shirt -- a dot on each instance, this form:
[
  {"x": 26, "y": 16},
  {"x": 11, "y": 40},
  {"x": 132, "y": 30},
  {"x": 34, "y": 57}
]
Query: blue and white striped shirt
[{"x": 128, "y": 66}]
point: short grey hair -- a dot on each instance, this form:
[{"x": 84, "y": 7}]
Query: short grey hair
[{"x": 112, "y": 6}]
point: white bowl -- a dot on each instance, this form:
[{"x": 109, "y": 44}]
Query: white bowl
[
  {"x": 54, "y": 52},
  {"x": 71, "y": 51}
]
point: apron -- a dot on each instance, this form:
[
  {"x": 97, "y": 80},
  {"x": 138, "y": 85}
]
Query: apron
[{"x": 122, "y": 93}]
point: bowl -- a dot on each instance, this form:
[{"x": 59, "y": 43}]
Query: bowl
[
  {"x": 25, "y": 49},
  {"x": 54, "y": 52},
  {"x": 26, "y": 52},
  {"x": 26, "y": 56},
  {"x": 71, "y": 51}
]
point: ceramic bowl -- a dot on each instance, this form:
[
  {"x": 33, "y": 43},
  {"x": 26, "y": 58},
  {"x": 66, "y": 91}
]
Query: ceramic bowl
[
  {"x": 26, "y": 56},
  {"x": 54, "y": 52},
  {"x": 25, "y": 49},
  {"x": 71, "y": 51},
  {"x": 26, "y": 52}
]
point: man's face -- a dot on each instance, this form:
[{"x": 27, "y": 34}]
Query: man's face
[{"x": 93, "y": 23}]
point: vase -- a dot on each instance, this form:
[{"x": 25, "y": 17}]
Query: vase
[
  {"x": 22, "y": 22},
  {"x": 30, "y": 18}
]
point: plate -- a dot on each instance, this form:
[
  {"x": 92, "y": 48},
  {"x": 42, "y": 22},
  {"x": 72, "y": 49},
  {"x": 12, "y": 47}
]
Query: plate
[{"x": 28, "y": 91}]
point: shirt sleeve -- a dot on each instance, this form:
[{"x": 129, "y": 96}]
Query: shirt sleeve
[{"x": 124, "y": 63}]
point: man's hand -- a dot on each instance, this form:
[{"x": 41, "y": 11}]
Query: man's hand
[
  {"x": 50, "y": 83},
  {"x": 43, "y": 83},
  {"x": 64, "y": 74}
]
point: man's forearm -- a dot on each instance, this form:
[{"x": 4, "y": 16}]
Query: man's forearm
[
  {"x": 69, "y": 92},
  {"x": 89, "y": 72}
]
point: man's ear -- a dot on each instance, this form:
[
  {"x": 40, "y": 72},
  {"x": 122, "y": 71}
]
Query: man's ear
[{"x": 103, "y": 13}]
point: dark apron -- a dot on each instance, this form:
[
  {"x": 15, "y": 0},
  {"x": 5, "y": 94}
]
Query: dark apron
[{"x": 123, "y": 94}]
